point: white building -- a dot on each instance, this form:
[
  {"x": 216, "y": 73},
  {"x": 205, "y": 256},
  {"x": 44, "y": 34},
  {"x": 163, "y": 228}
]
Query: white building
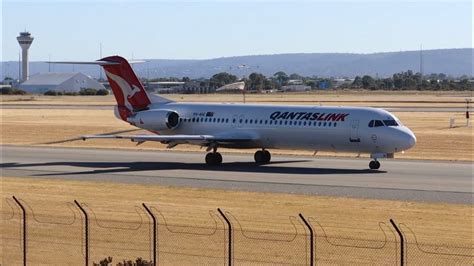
[{"x": 60, "y": 82}]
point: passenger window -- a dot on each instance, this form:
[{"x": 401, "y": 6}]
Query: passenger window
[
  {"x": 266, "y": 121},
  {"x": 324, "y": 124},
  {"x": 227, "y": 120},
  {"x": 261, "y": 122},
  {"x": 329, "y": 124},
  {"x": 246, "y": 121},
  {"x": 286, "y": 123},
  {"x": 335, "y": 124},
  {"x": 233, "y": 120},
  {"x": 319, "y": 125}
]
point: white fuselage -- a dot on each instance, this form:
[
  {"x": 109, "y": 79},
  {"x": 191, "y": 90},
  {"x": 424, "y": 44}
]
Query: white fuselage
[{"x": 313, "y": 128}]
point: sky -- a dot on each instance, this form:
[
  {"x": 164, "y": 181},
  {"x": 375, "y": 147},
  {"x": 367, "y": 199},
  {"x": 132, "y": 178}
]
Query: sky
[{"x": 75, "y": 30}]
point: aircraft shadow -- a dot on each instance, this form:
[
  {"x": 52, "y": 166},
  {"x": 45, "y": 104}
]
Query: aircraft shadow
[{"x": 242, "y": 167}]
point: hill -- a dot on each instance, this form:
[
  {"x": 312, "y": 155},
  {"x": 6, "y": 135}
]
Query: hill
[{"x": 454, "y": 62}]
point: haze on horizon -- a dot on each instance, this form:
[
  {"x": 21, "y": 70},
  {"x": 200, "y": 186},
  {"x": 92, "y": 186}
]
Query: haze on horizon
[{"x": 72, "y": 30}]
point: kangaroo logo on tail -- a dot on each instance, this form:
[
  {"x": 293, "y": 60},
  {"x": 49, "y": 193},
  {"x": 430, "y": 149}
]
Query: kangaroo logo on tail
[{"x": 128, "y": 90}]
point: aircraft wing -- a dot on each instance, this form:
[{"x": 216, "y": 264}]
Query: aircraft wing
[{"x": 231, "y": 138}]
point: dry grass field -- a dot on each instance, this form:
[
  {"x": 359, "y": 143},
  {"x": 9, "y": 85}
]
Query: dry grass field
[
  {"x": 52, "y": 126},
  {"x": 55, "y": 227},
  {"x": 440, "y": 225}
]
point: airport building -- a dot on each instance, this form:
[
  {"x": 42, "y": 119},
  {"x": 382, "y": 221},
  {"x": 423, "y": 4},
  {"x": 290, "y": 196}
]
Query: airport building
[{"x": 60, "y": 82}]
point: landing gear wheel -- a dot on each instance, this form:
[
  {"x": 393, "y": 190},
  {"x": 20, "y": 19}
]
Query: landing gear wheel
[
  {"x": 266, "y": 156},
  {"x": 262, "y": 157},
  {"x": 374, "y": 165},
  {"x": 213, "y": 158},
  {"x": 259, "y": 157}
]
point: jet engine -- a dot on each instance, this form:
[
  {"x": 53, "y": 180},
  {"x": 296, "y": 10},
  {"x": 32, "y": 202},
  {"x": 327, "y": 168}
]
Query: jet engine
[{"x": 155, "y": 120}]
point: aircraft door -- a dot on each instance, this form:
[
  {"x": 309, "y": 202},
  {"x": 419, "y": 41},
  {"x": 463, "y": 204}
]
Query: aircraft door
[{"x": 354, "y": 132}]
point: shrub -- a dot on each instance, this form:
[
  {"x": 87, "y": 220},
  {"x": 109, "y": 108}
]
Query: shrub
[
  {"x": 51, "y": 93},
  {"x": 138, "y": 262},
  {"x": 12, "y": 91},
  {"x": 102, "y": 92},
  {"x": 88, "y": 91}
]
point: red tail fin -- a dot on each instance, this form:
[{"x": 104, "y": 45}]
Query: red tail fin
[{"x": 127, "y": 88}]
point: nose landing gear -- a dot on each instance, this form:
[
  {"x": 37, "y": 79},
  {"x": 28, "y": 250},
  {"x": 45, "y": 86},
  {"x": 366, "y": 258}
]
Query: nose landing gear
[{"x": 374, "y": 165}]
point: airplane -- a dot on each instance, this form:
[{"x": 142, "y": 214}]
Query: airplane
[{"x": 359, "y": 130}]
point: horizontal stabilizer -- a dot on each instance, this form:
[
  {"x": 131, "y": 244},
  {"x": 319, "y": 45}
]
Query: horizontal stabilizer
[{"x": 98, "y": 62}]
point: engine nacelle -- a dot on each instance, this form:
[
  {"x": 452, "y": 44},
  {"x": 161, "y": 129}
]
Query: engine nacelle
[{"x": 155, "y": 120}]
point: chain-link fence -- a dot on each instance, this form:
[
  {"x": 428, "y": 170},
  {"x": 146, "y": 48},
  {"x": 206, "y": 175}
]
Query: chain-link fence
[{"x": 78, "y": 234}]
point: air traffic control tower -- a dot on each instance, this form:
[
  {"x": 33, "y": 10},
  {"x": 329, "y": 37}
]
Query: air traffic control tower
[{"x": 25, "y": 39}]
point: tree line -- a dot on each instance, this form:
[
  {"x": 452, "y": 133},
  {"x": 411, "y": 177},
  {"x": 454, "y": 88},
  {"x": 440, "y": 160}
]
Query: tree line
[{"x": 399, "y": 81}]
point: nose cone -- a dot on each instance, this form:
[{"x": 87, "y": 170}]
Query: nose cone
[
  {"x": 411, "y": 139},
  {"x": 399, "y": 139},
  {"x": 408, "y": 139}
]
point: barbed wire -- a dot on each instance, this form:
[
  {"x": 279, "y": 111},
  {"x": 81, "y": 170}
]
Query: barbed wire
[
  {"x": 420, "y": 247},
  {"x": 9, "y": 203}
]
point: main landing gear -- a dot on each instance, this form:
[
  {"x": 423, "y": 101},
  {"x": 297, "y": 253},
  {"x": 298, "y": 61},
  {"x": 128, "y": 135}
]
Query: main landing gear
[
  {"x": 213, "y": 158},
  {"x": 374, "y": 165},
  {"x": 262, "y": 157}
]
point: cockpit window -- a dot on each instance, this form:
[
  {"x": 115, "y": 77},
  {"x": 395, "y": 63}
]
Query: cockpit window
[
  {"x": 390, "y": 123},
  {"x": 378, "y": 123}
]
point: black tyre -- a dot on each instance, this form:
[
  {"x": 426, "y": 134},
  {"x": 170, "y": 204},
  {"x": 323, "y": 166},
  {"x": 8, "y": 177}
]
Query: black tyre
[
  {"x": 218, "y": 158},
  {"x": 259, "y": 157},
  {"x": 266, "y": 156},
  {"x": 210, "y": 159},
  {"x": 213, "y": 158},
  {"x": 373, "y": 165}
]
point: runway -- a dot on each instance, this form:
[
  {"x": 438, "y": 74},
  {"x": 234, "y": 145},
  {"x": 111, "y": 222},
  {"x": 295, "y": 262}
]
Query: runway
[{"x": 422, "y": 181}]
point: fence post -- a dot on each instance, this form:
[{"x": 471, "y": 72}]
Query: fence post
[
  {"x": 154, "y": 232},
  {"x": 24, "y": 228},
  {"x": 229, "y": 235},
  {"x": 311, "y": 236},
  {"x": 86, "y": 218},
  {"x": 402, "y": 243}
]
